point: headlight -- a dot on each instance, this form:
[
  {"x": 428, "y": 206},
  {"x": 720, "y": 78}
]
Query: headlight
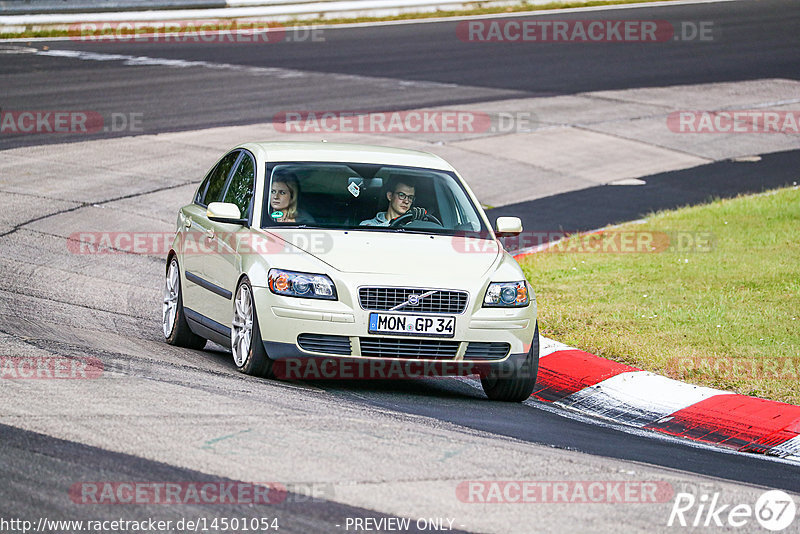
[
  {"x": 303, "y": 285},
  {"x": 506, "y": 295}
]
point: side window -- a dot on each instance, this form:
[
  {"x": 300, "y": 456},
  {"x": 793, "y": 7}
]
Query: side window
[
  {"x": 240, "y": 188},
  {"x": 211, "y": 188}
]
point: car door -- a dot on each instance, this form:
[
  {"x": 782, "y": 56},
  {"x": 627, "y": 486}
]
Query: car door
[
  {"x": 222, "y": 268},
  {"x": 198, "y": 246}
]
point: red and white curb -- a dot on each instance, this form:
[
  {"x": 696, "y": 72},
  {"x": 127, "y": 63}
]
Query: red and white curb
[{"x": 589, "y": 384}]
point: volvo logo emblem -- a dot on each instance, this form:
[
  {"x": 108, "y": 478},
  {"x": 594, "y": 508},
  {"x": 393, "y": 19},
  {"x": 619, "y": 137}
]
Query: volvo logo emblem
[{"x": 413, "y": 300}]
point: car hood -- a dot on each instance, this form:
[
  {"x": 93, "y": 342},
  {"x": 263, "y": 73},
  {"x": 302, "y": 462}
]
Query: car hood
[{"x": 356, "y": 251}]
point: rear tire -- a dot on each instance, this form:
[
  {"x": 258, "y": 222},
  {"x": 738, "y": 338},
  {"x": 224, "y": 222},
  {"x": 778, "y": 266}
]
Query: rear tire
[
  {"x": 176, "y": 329},
  {"x": 246, "y": 344},
  {"x": 515, "y": 388}
]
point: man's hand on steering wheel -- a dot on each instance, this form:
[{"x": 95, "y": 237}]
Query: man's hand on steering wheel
[
  {"x": 417, "y": 214},
  {"x": 414, "y": 214}
]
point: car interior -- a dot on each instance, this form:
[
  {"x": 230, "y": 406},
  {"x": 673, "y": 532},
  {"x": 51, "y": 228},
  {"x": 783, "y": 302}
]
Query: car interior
[{"x": 344, "y": 195}]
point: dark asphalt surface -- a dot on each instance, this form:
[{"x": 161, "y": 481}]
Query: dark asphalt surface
[
  {"x": 750, "y": 40},
  {"x": 42, "y": 477},
  {"x": 38, "y": 471},
  {"x": 466, "y": 406},
  {"x": 596, "y": 207}
]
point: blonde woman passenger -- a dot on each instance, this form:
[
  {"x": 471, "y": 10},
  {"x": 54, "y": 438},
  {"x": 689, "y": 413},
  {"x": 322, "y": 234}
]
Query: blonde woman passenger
[{"x": 285, "y": 198}]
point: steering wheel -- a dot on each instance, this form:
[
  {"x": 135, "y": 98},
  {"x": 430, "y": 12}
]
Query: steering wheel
[{"x": 408, "y": 217}]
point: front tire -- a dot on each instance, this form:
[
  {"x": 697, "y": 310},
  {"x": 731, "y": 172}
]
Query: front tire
[
  {"x": 246, "y": 344},
  {"x": 519, "y": 386},
  {"x": 176, "y": 329}
]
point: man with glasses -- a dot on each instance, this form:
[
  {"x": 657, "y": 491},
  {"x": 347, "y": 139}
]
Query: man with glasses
[{"x": 401, "y": 197}]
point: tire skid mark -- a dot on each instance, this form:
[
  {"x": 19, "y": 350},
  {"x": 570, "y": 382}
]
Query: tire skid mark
[{"x": 18, "y": 226}]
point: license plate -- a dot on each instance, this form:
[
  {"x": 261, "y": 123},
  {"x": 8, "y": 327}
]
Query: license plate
[{"x": 418, "y": 325}]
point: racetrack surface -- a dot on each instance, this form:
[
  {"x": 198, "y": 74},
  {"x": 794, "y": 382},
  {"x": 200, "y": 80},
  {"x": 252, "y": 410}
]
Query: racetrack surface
[
  {"x": 373, "y": 449},
  {"x": 394, "y": 67},
  {"x": 604, "y": 205}
]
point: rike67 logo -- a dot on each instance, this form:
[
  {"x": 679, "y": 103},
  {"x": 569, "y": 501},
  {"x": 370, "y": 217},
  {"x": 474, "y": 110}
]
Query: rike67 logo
[{"x": 774, "y": 510}]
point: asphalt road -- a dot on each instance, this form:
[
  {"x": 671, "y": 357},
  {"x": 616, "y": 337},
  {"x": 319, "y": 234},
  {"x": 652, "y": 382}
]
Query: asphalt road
[
  {"x": 39, "y": 493},
  {"x": 749, "y": 40},
  {"x": 379, "y": 449},
  {"x": 600, "y": 206}
]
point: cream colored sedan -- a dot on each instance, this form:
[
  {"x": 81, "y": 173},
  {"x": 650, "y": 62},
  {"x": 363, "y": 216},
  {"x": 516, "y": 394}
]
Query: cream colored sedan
[{"x": 322, "y": 260}]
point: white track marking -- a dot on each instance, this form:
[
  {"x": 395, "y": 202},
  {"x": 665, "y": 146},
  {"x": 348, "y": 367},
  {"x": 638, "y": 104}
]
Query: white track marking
[
  {"x": 637, "y": 398},
  {"x": 650, "y": 434},
  {"x": 548, "y": 346},
  {"x": 788, "y": 449},
  {"x": 8, "y": 49},
  {"x": 520, "y": 14},
  {"x": 589, "y": 419},
  {"x": 197, "y": 14},
  {"x": 274, "y": 72}
]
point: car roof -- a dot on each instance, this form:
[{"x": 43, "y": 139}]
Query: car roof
[{"x": 345, "y": 152}]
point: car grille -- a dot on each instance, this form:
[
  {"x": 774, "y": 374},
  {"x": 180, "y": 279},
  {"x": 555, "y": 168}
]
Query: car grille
[
  {"x": 412, "y": 349},
  {"x": 386, "y": 298},
  {"x": 325, "y": 343},
  {"x": 486, "y": 351}
]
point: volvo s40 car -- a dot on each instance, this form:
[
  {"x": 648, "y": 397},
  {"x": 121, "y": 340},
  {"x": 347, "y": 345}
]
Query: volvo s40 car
[{"x": 294, "y": 252}]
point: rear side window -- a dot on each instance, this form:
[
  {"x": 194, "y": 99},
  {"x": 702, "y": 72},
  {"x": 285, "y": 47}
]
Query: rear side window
[
  {"x": 214, "y": 184},
  {"x": 240, "y": 189}
]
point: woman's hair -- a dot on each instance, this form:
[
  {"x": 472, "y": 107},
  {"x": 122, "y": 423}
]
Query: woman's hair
[{"x": 293, "y": 184}]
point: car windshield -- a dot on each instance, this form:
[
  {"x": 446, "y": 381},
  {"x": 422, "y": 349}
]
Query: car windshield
[{"x": 369, "y": 197}]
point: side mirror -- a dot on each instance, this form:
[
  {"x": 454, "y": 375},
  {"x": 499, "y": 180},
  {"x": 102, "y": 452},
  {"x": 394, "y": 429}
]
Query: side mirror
[
  {"x": 507, "y": 226},
  {"x": 225, "y": 212}
]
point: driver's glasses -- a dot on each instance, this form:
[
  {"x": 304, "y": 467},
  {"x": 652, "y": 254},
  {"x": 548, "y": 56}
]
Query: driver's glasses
[{"x": 403, "y": 197}]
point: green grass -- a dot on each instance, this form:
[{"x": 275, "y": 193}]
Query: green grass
[
  {"x": 521, "y": 7},
  {"x": 726, "y": 316}
]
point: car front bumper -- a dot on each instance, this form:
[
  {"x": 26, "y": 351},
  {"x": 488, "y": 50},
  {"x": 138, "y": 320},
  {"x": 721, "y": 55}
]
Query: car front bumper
[{"x": 484, "y": 338}]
